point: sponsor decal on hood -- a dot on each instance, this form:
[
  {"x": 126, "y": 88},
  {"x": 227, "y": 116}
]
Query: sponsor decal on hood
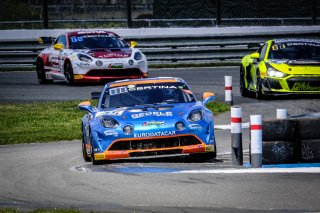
[{"x": 110, "y": 53}]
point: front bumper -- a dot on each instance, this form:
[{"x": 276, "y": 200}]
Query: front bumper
[
  {"x": 292, "y": 85},
  {"x": 97, "y": 75},
  {"x": 152, "y": 147}
]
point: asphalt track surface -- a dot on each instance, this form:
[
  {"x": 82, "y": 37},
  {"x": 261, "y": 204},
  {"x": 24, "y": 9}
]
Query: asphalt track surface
[{"x": 53, "y": 175}]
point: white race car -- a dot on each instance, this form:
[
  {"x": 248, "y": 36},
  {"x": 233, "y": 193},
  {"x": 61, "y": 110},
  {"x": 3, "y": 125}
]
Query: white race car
[{"x": 90, "y": 56}]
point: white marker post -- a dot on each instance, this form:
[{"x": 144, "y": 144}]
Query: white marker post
[
  {"x": 282, "y": 114},
  {"x": 228, "y": 89},
  {"x": 256, "y": 140},
  {"x": 236, "y": 136}
]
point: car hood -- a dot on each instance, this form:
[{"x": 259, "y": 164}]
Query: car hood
[
  {"x": 303, "y": 67},
  {"x": 109, "y": 53},
  {"x": 156, "y": 112}
]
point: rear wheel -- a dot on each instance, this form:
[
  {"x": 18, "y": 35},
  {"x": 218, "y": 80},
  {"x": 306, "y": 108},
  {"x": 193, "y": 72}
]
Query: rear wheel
[
  {"x": 68, "y": 73},
  {"x": 41, "y": 74}
]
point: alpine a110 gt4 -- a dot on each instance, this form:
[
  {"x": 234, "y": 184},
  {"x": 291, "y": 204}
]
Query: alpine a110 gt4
[
  {"x": 90, "y": 56},
  {"x": 147, "y": 118},
  {"x": 282, "y": 66}
]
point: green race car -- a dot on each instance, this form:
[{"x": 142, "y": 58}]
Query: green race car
[{"x": 282, "y": 66}]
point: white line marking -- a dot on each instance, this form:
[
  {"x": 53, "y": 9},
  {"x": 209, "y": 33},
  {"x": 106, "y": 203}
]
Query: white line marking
[
  {"x": 228, "y": 126},
  {"x": 254, "y": 170}
]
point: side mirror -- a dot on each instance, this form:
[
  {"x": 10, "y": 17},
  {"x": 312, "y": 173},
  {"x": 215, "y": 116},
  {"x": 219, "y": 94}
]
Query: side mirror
[
  {"x": 133, "y": 44},
  {"x": 255, "y": 55},
  {"x": 86, "y": 106},
  {"x": 58, "y": 46},
  {"x": 207, "y": 97}
]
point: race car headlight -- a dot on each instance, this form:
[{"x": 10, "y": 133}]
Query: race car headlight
[
  {"x": 108, "y": 122},
  {"x": 179, "y": 126},
  {"x": 128, "y": 129},
  {"x": 275, "y": 73},
  {"x": 195, "y": 115},
  {"x": 138, "y": 56},
  {"x": 85, "y": 58}
]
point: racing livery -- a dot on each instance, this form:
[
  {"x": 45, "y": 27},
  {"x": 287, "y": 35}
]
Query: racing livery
[
  {"x": 90, "y": 56},
  {"x": 147, "y": 118},
  {"x": 282, "y": 66}
]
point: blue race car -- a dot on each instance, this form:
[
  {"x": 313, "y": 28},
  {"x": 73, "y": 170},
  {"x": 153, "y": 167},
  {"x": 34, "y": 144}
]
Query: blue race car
[{"x": 147, "y": 118}]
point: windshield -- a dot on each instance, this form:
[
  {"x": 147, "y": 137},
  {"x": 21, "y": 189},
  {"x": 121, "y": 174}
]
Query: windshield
[
  {"x": 96, "y": 41},
  {"x": 146, "y": 94},
  {"x": 295, "y": 51}
]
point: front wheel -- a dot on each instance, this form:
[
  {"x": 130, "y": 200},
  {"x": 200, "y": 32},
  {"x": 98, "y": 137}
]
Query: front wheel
[
  {"x": 259, "y": 94},
  {"x": 84, "y": 150},
  {"x": 68, "y": 73},
  {"x": 93, "y": 160},
  {"x": 243, "y": 91}
]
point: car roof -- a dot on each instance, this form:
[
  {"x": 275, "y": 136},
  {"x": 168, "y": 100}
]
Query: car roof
[
  {"x": 295, "y": 40},
  {"x": 88, "y": 32},
  {"x": 144, "y": 81}
]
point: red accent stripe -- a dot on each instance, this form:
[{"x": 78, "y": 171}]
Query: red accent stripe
[
  {"x": 256, "y": 127},
  {"x": 228, "y": 88},
  {"x": 235, "y": 120}
]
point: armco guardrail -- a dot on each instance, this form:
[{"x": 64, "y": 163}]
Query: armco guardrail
[
  {"x": 294, "y": 140},
  {"x": 164, "y": 49}
]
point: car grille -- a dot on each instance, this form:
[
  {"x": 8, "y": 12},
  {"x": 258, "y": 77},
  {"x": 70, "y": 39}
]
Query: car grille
[
  {"x": 274, "y": 84},
  {"x": 114, "y": 72},
  {"x": 155, "y": 143},
  {"x": 155, "y": 153},
  {"x": 304, "y": 84}
]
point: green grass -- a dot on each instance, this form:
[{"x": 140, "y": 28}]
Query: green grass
[{"x": 45, "y": 122}]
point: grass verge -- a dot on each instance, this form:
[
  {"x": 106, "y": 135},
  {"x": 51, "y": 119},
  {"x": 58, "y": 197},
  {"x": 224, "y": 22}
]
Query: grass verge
[{"x": 44, "y": 122}]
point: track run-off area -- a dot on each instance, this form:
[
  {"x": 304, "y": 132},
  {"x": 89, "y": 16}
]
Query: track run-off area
[{"x": 54, "y": 175}]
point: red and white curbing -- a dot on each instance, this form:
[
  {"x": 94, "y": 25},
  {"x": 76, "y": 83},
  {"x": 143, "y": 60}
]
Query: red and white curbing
[
  {"x": 228, "y": 90},
  {"x": 256, "y": 140},
  {"x": 236, "y": 136}
]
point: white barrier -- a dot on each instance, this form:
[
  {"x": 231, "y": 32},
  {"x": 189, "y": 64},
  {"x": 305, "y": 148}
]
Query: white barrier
[
  {"x": 256, "y": 140},
  {"x": 228, "y": 89},
  {"x": 236, "y": 136}
]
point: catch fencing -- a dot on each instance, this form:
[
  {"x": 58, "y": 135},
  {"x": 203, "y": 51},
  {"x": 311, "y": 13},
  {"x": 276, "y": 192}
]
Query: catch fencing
[{"x": 53, "y": 14}]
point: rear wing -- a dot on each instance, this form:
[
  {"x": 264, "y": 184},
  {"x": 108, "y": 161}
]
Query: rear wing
[{"x": 46, "y": 40}]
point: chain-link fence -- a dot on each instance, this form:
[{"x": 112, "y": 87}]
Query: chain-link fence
[{"x": 35, "y": 14}]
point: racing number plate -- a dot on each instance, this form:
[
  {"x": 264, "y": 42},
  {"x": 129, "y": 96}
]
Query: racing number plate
[{"x": 115, "y": 65}]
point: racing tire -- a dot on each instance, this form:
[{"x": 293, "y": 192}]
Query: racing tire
[
  {"x": 93, "y": 160},
  {"x": 41, "y": 74},
  {"x": 84, "y": 150},
  {"x": 259, "y": 94},
  {"x": 68, "y": 73},
  {"x": 243, "y": 91}
]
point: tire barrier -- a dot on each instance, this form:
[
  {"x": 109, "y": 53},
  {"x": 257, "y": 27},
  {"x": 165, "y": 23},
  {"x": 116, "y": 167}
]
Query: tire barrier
[
  {"x": 293, "y": 140},
  {"x": 236, "y": 136},
  {"x": 228, "y": 90}
]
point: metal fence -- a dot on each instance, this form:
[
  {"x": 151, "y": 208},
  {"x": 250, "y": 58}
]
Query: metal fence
[
  {"x": 35, "y": 14},
  {"x": 191, "y": 49}
]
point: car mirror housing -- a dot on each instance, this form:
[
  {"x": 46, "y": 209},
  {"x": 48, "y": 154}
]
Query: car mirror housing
[
  {"x": 255, "y": 55},
  {"x": 207, "y": 97},
  {"x": 58, "y": 46},
  {"x": 133, "y": 44},
  {"x": 86, "y": 106}
]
